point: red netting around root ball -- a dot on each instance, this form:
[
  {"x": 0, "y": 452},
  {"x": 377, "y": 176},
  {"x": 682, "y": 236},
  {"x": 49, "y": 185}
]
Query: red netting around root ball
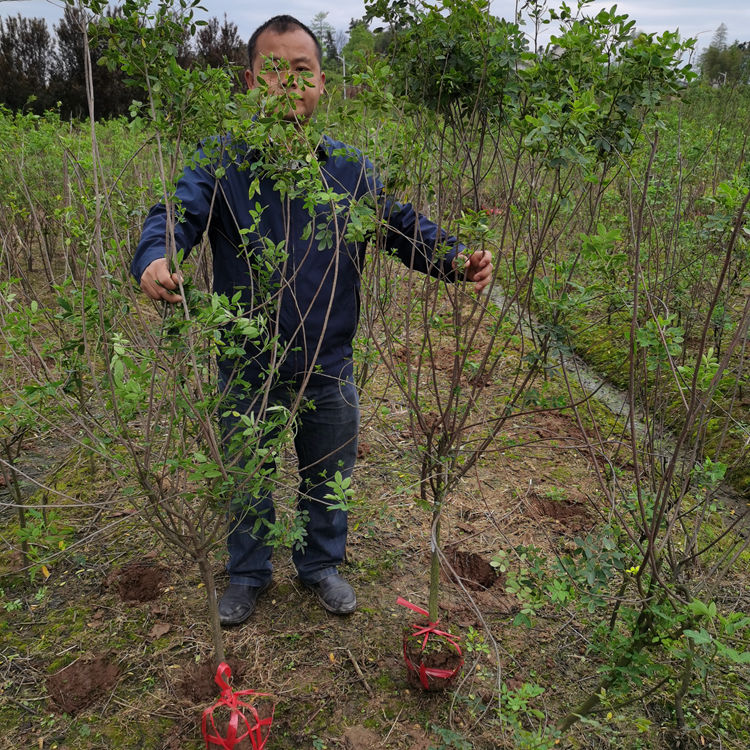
[
  {"x": 244, "y": 724},
  {"x": 430, "y": 677}
]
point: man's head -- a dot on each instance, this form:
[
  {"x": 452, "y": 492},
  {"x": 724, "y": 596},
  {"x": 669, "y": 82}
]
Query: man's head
[{"x": 295, "y": 55}]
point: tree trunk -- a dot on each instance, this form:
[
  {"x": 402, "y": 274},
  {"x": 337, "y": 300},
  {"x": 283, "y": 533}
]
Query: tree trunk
[
  {"x": 11, "y": 481},
  {"x": 434, "y": 565},
  {"x": 638, "y": 641},
  {"x": 213, "y": 608}
]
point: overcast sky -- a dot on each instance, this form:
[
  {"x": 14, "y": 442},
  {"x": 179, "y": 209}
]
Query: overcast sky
[{"x": 691, "y": 17}]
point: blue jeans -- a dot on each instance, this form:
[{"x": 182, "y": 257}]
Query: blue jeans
[{"x": 325, "y": 442}]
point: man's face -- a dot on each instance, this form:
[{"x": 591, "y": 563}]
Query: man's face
[{"x": 294, "y": 70}]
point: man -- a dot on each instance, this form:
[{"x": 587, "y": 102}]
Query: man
[{"x": 315, "y": 291}]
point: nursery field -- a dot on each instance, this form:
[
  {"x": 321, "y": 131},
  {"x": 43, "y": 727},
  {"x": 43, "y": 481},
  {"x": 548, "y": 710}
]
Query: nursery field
[
  {"x": 129, "y": 618},
  {"x": 106, "y": 642},
  {"x": 587, "y": 554}
]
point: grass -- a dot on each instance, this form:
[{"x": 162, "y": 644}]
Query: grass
[{"x": 332, "y": 674}]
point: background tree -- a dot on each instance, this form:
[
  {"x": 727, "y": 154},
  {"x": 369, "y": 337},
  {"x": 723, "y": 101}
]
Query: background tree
[
  {"x": 215, "y": 44},
  {"x": 321, "y": 28},
  {"x": 25, "y": 54},
  {"x": 383, "y": 40},
  {"x": 720, "y": 37},
  {"x": 68, "y": 78},
  {"x": 340, "y": 38},
  {"x": 744, "y": 48},
  {"x": 330, "y": 51},
  {"x": 361, "y": 40},
  {"x": 68, "y": 74},
  {"x": 332, "y": 42},
  {"x": 723, "y": 63}
]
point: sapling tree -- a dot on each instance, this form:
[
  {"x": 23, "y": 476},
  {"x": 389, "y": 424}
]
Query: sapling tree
[
  {"x": 21, "y": 401},
  {"x": 137, "y": 386},
  {"x": 15, "y": 423},
  {"x": 158, "y": 395},
  {"x": 660, "y": 527},
  {"x": 190, "y": 477},
  {"x": 543, "y": 136},
  {"x": 672, "y": 557},
  {"x": 647, "y": 545},
  {"x": 441, "y": 345}
]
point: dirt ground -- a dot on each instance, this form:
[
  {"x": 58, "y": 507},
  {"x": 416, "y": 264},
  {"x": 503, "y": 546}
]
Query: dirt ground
[
  {"x": 119, "y": 642},
  {"x": 115, "y": 652}
]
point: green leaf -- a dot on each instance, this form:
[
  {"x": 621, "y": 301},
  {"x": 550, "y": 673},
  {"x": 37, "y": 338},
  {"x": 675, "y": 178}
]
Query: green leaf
[
  {"x": 733, "y": 655},
  {"x": 698, "y": 608},
  {"x": 699, "y": 637},
  {"x": 522, "y": 620}
]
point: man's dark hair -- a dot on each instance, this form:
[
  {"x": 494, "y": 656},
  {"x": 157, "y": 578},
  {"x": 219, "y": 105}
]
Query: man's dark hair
[{"x": 281, "y": 24}]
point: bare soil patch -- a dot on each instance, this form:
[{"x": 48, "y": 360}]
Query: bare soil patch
[
  {"x": 571, "y": 515},
  {"x": 359, "y": 738},
  {"x": 363, "y": 449},
  {"x": 558, "y": 510},
  {"x": 472, "y": 569},
  {"x": 140, "y": 582},
  {"x": 197, "y": 683},
  {"x": 82, "y": 683},
  {"x": 559, "y": 427}
]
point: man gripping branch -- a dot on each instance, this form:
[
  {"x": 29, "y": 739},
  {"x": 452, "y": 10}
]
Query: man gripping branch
[{"x": 315, "y": 287}]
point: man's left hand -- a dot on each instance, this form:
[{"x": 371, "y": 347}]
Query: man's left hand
[{"x": 477, "y": 268}]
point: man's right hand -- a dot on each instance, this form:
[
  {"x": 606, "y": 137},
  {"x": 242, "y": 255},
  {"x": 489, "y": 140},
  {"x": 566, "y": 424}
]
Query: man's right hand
[{"x": 157, "y": 283}]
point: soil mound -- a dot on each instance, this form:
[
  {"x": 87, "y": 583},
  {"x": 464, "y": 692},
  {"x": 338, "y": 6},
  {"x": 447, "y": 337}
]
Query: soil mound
[
  {"x": 82, "y": 683},
  {"x": 140, "y": 582},
  {"x": 359, "y": 738},
  {"x": 473, "y": 570},
  {"x": 574, "y": 516},
  {"x": 198, "y": 683}
]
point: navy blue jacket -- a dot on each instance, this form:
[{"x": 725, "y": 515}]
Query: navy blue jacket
[{"x": 313, "y": 292}]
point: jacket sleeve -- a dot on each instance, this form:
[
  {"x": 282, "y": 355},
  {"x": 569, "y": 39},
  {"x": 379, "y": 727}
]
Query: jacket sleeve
[
  {"x": 192, "y": 205},
  {"x": 416, "y": 240}
]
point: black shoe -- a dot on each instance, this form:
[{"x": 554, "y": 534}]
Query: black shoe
[
  {"x": 335, "y": 594},
  {"x": 238, "y": 602}
]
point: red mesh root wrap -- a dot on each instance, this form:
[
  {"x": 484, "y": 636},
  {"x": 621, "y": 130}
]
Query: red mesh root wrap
[
  {"x": 425, "y": 632},
  {"x": 239, "y": 727}
]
